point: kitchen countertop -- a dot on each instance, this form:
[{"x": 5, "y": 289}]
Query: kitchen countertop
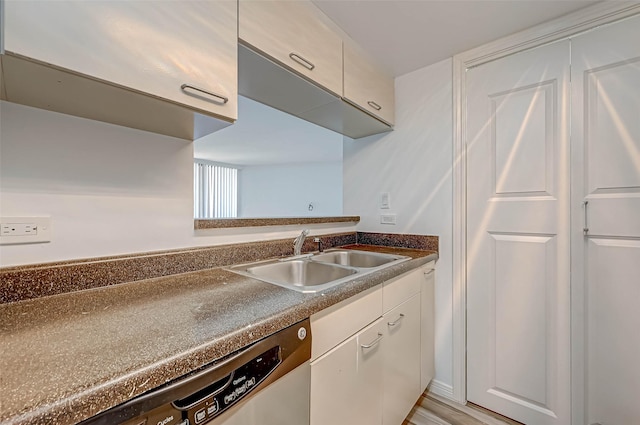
[{"x": 67, "y": 357}]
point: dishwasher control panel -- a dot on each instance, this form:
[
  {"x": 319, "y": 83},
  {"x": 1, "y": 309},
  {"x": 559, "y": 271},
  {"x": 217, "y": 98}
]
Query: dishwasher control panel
[
  {"x": 204, "y": 405},
  {"x": 240, "y": 383}
]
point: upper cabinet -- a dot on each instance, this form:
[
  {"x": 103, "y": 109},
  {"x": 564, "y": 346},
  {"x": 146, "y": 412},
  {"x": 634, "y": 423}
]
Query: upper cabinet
[
  {"x": 295, "y": 35},
  {"x": 367, "y": 86},
  {"x": 291, "y": 58},
  {"x": 176, "y": 68},
  {"x": 180, "y": 56}
]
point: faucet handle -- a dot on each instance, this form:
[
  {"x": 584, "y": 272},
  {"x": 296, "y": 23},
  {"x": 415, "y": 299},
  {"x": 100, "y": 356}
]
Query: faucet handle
[{"x": 319, "y": 242}]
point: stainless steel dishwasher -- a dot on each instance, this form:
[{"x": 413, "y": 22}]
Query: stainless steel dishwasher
[{"x": 266, "y": 383}]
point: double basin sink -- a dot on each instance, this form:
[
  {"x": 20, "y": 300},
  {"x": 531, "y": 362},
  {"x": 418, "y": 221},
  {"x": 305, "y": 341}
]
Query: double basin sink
[{"x": 313, "y": 273}]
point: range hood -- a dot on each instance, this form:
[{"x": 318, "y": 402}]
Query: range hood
[{"x": 261, "y": 79}]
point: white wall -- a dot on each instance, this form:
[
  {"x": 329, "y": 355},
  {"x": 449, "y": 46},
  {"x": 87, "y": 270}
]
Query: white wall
[
  {"x": 113, "y": 190},
  {"x": 109, "y": 189},
  {"x": 282, "y": 190},
  {"x": 413, "y": 163}
]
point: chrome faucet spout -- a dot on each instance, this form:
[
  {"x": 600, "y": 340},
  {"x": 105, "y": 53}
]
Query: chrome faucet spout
[{"x": 299, "y": 241}]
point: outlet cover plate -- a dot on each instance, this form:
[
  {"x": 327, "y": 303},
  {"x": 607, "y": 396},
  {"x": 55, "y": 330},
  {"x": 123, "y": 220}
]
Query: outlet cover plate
[
  {"x": 21, "y": 230},
  {"x": 387, "y": 219}
]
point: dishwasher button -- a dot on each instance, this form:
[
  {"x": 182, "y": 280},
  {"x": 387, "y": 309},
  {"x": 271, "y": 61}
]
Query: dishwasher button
[
  {"x": 200, "y": 416},
  {"x": 213, "y": 409}
]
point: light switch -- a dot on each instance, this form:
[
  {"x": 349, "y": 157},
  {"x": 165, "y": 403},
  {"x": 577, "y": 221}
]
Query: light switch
[{"x": 385, "y": 201}]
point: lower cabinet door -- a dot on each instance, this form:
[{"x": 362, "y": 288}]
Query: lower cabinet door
[
  {"x": 401, "y": 360},
  {"x": 427, "y": 328},
  {"x": 371, "y": 344},
  {"x": 346, "y": 382}
]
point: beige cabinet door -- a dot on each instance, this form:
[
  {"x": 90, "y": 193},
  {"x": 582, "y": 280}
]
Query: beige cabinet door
[
  {"x": 184, "y": 52},
  {"x": 427, "y": 328},
  {"x": 346, "y": 382},
  {"x": 605, "y": 131},
  {"x": 518, "y": 234},
  {"x": 367, "y": 87},
  {"x": 367, "y": 407},
  {"x": 401, "y": 361},
  {"x": 294, "y": 34}
]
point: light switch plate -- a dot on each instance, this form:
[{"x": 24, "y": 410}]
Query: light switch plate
[
  {"x": 20, "y": 230},
  {"x": 385, "y": 201}
]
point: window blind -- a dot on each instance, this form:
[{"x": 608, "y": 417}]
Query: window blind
[{"x": 215, "y": 190}]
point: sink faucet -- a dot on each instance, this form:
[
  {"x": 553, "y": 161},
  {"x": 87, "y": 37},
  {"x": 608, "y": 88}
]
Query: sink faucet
[{"x": 299, "y": 241}]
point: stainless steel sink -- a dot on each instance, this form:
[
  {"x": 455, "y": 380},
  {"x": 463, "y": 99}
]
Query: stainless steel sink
[
  {"x": 302, "y": 275},
  {"x": 301, "y": 272},
  {"x": 360, "y": 259},
  {"x": 315, "y": 273}
]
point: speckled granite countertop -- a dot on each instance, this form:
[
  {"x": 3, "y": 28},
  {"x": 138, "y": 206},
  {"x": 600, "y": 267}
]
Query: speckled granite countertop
[{"x": 66, "y": 357}]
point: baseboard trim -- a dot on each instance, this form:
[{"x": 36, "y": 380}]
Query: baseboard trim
[{"x": 441, "y": 389}]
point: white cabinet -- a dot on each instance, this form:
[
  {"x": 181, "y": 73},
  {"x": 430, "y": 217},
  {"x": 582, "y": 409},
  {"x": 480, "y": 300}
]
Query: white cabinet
[
  {"x": 370, "y": 352},
  {"x": 366, "y": 86},
  {"x": 370, "y": 361},
  {"x": 296, "y": 35},
  {"x": 346, "y": 382},
  {"x": 427, "y": 326},
  {"x": 402, "y": 348},
  {"x": 182, "y": 53},
  {"x": 337, "y": 323},
  {"x": 342, "y": 91},
  {"x": 401, "y": 352}
]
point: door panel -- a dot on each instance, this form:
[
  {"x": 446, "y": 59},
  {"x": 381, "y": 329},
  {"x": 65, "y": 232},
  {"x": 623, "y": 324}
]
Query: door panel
[
  {"x": 522, "y": 140},
  {"x": 524, "y": 295},
  {"x": 613, "y": 322},
  {"x": 611, "y": 147},
  {"x": 606, "y": 260},
  {"x": 613, "y": 156},
  {"x": 518, "y": 236}
]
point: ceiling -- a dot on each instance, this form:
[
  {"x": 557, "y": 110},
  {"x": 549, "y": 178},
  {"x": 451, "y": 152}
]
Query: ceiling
[{"x": 405, "y": 35}]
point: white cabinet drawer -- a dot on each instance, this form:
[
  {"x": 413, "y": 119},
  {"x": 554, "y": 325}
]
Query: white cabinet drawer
[
  {"x": 398, "y": 290},
  {"x": 333, "y": 325}
]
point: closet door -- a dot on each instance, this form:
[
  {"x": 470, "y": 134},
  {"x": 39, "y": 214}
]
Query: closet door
[
  {"x": 606, "y": 267},
  {"x": 518, "y": 311}
]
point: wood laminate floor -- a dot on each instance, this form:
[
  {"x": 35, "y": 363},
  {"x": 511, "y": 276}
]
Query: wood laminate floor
[{"x": 433, "y": 410}]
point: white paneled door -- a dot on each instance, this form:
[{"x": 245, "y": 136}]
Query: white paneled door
[
  {"x": 518, "y": 221},
  {"x": 606, "y": 257}
]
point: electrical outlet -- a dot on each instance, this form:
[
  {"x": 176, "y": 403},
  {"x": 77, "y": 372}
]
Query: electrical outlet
[
  {"x": 19, "y": 230},
  {"x": 387, "y": 218}
]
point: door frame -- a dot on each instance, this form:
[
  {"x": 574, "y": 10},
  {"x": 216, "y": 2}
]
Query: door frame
[{"x": 558, "y": 29}]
